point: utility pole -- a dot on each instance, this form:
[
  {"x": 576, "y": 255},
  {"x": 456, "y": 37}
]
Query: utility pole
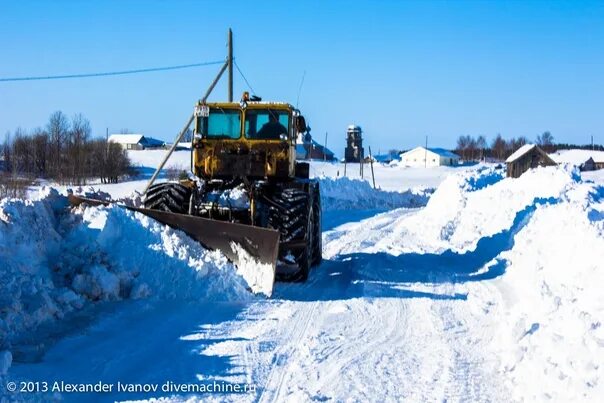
[
  {"x": 592, "y": 143},
  {"x": 230, "y": 63},
  {"x": 426, "y": 153}
]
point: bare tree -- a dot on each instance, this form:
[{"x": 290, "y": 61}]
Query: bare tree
[
  {"x": 498, "y": 147},
  {"x": 472, "y": 148},
  {"x": 481, "y": 145},
  {"x": 58, "y": 127},
  {"x": 39, "y": 144},
  {"x": 462, "y": 146},
  {"x": 64, "y": 153},
  {"x": 546, "y": 141},
  {"x": 78, "y": 136},
  {"x": 6, "y": 152},
  {"x": 22, "y": 153}
]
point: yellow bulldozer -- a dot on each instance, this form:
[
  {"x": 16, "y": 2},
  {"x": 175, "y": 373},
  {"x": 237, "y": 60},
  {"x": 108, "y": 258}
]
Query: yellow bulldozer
[
  {"x": 247, "y": 180},
  {"x": 246, "y": 191}
]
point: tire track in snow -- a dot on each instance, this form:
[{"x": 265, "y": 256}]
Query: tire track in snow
[
  {"x": 290, "y": 343},
  {"x": 466, "y": 331}
]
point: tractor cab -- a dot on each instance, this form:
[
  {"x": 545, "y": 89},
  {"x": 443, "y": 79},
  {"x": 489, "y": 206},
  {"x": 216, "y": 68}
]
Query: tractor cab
[{"x": 250, "y": 139}]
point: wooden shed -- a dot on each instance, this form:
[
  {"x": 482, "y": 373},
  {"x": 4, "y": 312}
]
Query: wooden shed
[{"x": 526, "y": 157}]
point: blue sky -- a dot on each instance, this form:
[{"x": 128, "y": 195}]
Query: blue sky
[{"x": 401, "y": 70}]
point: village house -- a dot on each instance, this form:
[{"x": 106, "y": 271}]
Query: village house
[
  {"x": 592, "y": 164},
  {"x": 429, "y": 157},
  {"x": 526, "y": 157},
  {"x": 135, "y": 141}
]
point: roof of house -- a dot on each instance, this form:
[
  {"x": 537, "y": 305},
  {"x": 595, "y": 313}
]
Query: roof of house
[
  {"x": 301, "y": 149},
  {"x": 135, "y": 139},
  {"x": 443, "y": 153},
  {"x": 126, "y": 138},
  {"x": 325, "y": 149},
  {"x": 520, "y": 152},
  {"x": 384, "y": 157},
  {"x": 440, "y": 151},
  {"x": 577, "y": 157}
]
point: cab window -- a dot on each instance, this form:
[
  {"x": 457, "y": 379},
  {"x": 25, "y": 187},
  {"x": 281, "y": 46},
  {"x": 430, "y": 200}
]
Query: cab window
[
  {"x": 266, "y": 124},
  {"x": 221, "y": 124}
]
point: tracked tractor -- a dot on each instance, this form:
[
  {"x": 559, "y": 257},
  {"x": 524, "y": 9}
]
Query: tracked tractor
[
  {"x": 245, "y": 174},
  {"x": 246, "y": 195}
]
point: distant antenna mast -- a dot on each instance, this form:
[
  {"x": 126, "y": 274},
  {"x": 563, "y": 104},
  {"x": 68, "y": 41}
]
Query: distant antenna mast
[{"x": 300, "y": 89}]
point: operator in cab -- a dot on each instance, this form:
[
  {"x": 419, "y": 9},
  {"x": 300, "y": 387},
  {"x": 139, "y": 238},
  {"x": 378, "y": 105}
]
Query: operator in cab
[{"x": 271, "y": 129}]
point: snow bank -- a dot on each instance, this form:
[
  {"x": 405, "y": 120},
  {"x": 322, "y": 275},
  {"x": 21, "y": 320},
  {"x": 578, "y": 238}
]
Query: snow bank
[
  {"x": 551, "y": 334},
  {"x": 466, "y": 208},
  {"x": 545, "y": 233},
  {"x": 54, "y": 262},
  {"x": 353, "y": 194}
]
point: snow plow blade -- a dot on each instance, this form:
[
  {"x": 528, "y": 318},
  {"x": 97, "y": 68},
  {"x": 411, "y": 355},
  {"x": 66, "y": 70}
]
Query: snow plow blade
[{"x": 260, "y": 244}]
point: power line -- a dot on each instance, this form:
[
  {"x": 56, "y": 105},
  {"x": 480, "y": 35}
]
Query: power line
[
  {"x": 243, "y": 76},
  {"x": 112, "y": 73}
]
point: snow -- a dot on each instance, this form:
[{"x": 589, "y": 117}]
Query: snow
[
  {"x": 55, "y": 262},
  {"x": 390, "y": 177},
  {"x": 577, "y": 157},
  {"x": 125, "y": 138},
  {"x": 594, "y": 176},
  {"x": 152, "y": 158},
  {"x": 355, "y": 194},
  {"x": 259, "y": 276},
  {"x": 485, "y": 289},
  {"x": 541, "y": 238},
  {"x": 236, "y": 198},
  {"x": 552, "y": 330}
]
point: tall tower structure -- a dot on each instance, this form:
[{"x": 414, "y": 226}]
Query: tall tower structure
[{"x": 354, "y": 151}]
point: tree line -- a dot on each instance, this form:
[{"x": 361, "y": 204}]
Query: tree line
[
  {"x": 63, "y": 151},
  {"x": 472, "y": 149}
]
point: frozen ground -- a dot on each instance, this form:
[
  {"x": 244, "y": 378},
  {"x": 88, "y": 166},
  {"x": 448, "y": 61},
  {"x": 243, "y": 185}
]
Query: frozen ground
[{"x": 491, "y": 292}]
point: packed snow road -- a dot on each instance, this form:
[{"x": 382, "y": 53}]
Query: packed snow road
[
  {"x": 491, "y": 292},
  {"x": 343, "y": 334}
]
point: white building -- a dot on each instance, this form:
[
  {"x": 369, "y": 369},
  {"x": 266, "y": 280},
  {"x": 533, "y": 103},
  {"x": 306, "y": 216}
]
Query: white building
[
  {"x": 135, "y": 141},
  {"x": 428, "y": 157}
]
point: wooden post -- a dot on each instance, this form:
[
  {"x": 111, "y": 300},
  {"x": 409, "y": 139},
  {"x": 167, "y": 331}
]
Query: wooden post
[
  {"x": 361, "y": 162},
  {"x": 344, "y": 167},
  {"x": 371, "y": 162},
  {"x": 230, "y": 62}
]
